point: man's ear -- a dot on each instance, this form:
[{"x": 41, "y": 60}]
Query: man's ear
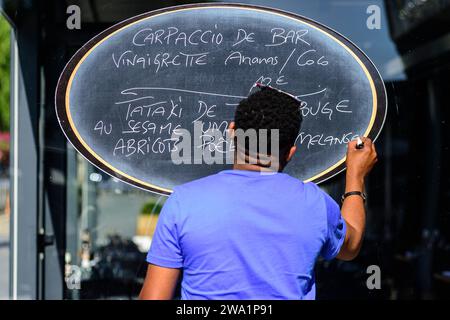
[
  {"x": 291, "y": 153},
  {"x": 231, "y": 128}
]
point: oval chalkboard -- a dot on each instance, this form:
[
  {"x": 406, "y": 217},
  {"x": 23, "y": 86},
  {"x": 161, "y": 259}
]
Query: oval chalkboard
[{"x": 126, "y": 92}]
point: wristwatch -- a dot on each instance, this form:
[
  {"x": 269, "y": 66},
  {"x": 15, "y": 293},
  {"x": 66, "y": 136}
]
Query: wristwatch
[{"x": 354, "y": 193}]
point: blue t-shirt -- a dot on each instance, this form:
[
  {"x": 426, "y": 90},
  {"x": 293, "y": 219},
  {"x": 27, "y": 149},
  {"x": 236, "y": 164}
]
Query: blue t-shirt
[{"x": 241, "y": 234}]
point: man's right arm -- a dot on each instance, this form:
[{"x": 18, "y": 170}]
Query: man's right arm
[{"x": 359, "y": 163}]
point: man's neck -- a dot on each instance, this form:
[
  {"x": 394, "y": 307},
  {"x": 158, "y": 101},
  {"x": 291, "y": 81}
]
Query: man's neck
[
  {"x": 250, "y": 167},
  {"x": 243, "y": 161}
]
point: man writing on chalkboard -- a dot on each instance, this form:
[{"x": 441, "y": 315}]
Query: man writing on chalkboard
[{"x": 243, "y": 234}]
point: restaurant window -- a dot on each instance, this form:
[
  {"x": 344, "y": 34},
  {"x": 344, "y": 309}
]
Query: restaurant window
[{"x": 96, "y": 230}]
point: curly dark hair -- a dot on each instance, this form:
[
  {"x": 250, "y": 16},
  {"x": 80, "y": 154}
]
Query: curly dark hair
[{"x": 271, "y": 109}]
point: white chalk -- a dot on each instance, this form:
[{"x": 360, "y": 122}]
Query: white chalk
[{"x": 359, "y": 143}]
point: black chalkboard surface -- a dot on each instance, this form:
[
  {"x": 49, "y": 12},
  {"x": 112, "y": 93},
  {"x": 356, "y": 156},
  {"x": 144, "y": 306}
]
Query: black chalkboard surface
[{"x": 126, "y": 92}]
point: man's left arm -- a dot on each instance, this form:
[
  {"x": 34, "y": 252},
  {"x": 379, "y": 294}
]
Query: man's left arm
[{"x": 165, "y": 258}]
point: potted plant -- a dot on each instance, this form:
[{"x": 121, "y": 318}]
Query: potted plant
[{"x": 148, "y": 217}]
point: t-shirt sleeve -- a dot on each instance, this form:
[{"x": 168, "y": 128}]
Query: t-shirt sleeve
[
  {"x": 336, "y": 229},
  {"x": 165, "y": 249}
]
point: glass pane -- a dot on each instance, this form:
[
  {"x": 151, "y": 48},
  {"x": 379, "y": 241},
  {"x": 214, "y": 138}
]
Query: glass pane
[{"x": 114, "y": 225}]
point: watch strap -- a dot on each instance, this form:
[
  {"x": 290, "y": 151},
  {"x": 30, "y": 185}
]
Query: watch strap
[{"x": 354, "y": 193}]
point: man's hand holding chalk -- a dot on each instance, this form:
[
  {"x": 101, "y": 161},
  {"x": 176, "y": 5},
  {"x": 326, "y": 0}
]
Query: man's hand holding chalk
[
  {"x": 359, "y": 143},
  {"x": 361, "y": 157}
]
